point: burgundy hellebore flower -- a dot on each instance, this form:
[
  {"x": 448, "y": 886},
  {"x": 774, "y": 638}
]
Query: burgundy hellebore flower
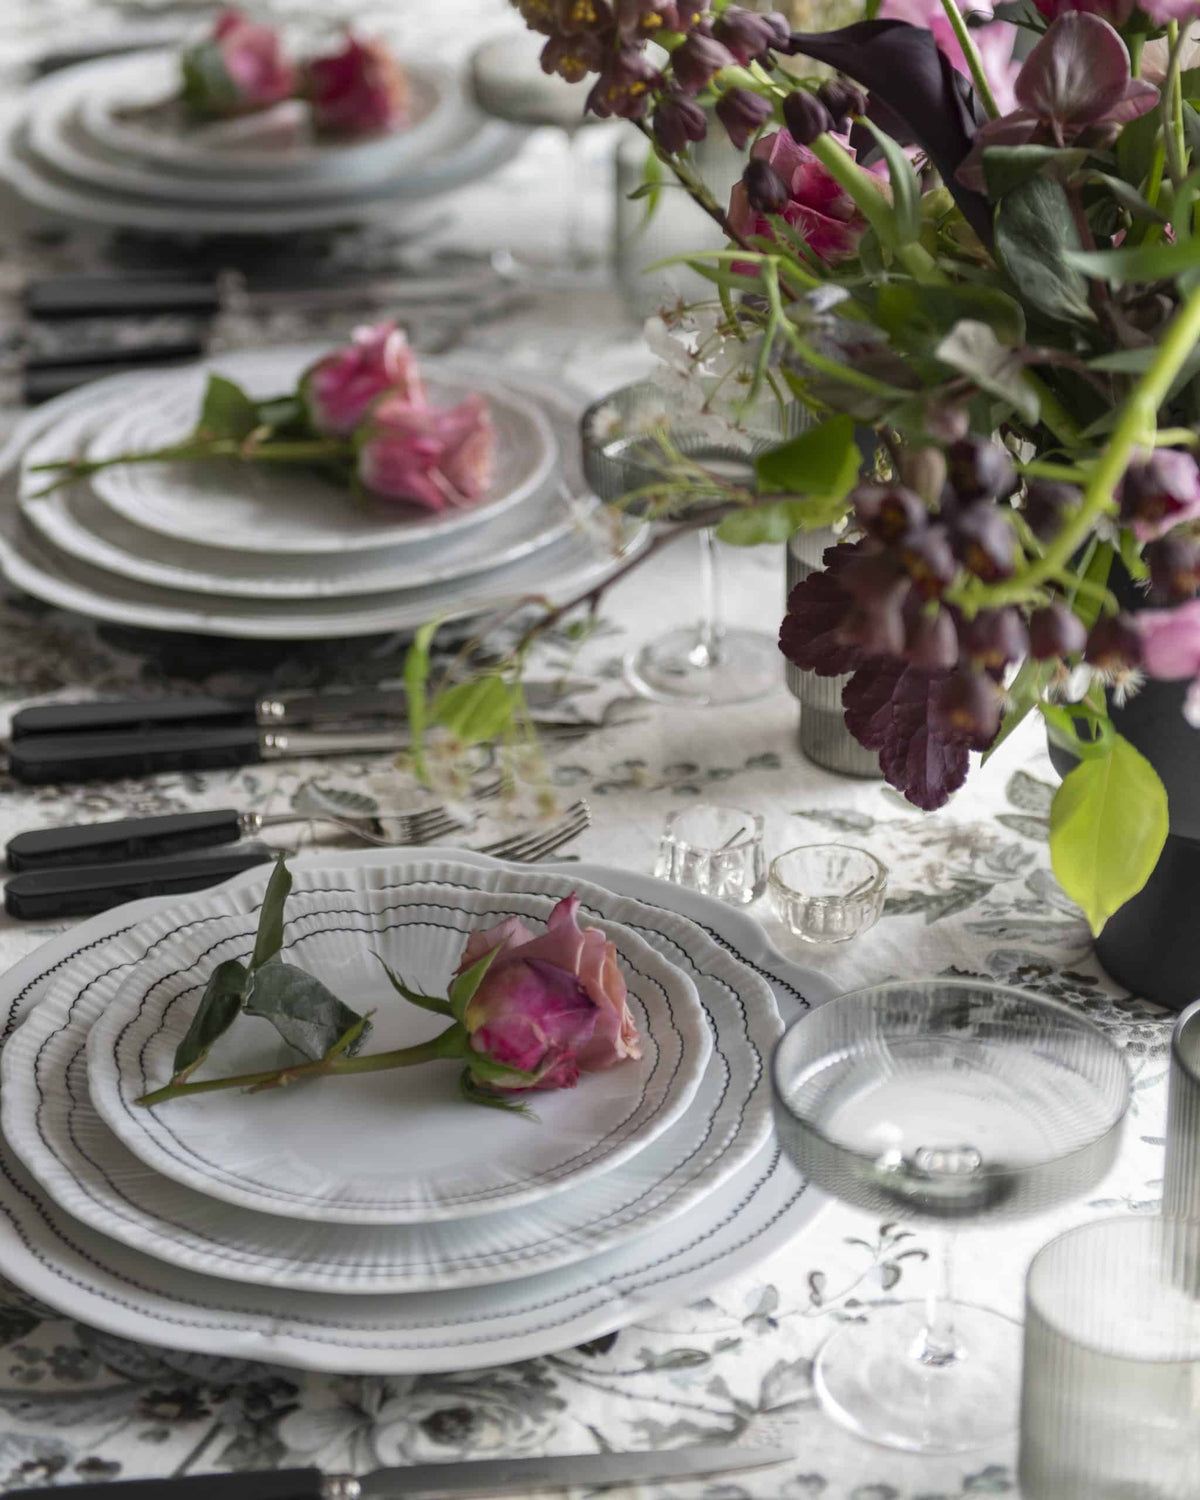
[
  {"x": 339, "y": 389},
  {"x": 237, "y": 68},
  {"x": 1158, "y": 492},
  {"x": 358, "y": 91},
  {"x": 817, "y": 205},
  {"x": 432, "y": 457},
  {"x": 553, "y": 1005}
]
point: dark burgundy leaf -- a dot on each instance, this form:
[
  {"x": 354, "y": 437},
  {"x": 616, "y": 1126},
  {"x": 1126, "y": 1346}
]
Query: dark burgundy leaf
[
  {"x": 887, "y": 709},
  {"x": 867, "y": 700},
  {"x": 904, "y": 70},
  {"x": 817, "y": 608}
]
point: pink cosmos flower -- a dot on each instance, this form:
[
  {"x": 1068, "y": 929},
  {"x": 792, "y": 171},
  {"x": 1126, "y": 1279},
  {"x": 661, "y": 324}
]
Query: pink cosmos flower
[
  {"x": 1171, "y": 649},
  {"x": 993, "y": 42},
  {"x": 237, "y": 68},
  {"x": 817, "y": 206},
  {"x": 526, "y": 1001},
  {"x": 339, "y": 389},
  {"x": 358, "y": 91},
  {"x": 431, "y": 456}
]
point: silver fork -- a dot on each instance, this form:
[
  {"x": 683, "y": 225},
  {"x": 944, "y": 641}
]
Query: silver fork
[
  {"x": 422, "y": 827},
  {"x": 538, "y": 843}
]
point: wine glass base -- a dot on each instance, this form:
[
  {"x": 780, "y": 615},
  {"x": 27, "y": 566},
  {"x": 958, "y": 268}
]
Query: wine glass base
[
  {"x": 869, "y": 1379},
  {"x": 675, "y": 668}
]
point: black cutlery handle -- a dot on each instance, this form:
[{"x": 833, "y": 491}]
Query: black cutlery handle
[
  {"x": 258, "y": 1484},
  {"x": 40, "y": 758},
  {"x": 127, "y": 838},
  {"x": 95, "y": 296},
  {"x": 128, "y": 713},
  {"x": 84, "y": 889}
]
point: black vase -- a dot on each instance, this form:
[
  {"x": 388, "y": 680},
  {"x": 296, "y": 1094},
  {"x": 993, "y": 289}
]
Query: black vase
[{"x": 1151, "y": 945}]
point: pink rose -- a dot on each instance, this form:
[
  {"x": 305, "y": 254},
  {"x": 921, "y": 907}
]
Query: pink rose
[
  {"x": 339, "y": 390},
  {"x": 499, "y": 1013},
  {"x": 433, "y": 457},
  {"x": 237, "y": 68},
  {"x": 994, "y": 43},
  {"x": 358, "y": 91},
  {"x": 817, "y": 206},
  {"x": 1171, "y": 649}
]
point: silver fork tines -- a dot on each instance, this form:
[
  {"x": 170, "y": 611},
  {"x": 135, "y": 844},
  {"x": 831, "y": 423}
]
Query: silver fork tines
[{"x": 536, "y": 843}]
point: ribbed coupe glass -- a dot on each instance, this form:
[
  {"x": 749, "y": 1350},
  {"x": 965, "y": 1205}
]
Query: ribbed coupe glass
[
  {"x": 952, "y": 1102},
  {"x": 1181, "y": 1175},
  {"x": 1110, "y": 1406}
]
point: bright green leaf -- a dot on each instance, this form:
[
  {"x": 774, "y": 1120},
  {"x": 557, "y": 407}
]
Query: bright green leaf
[
  {"x": 270, "y": 917},
  {"x": 219, "y": 1009},
  {"x": 820, "y": 464},
  {"x": 475, "y": 711},
  {"x": 1036, "y": 238},
  {"x": 462, "y": 990},
  {"x": 1108, "y": 824},
  {"x": 758, "y": 525},
  {"x": 227, "y": 411},
  {"x": 906, "y": 187}
]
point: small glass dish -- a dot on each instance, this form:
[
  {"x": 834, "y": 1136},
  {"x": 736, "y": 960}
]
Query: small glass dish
[
  {"x": 715, "y": 850},
  {"x": 827, "y": 893}
]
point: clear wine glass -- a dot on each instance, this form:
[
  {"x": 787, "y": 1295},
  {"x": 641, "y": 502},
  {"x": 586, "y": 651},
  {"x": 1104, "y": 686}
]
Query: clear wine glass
[
  {"x": 708, "y": 662},
  {"x": 950, "y": 1102}
]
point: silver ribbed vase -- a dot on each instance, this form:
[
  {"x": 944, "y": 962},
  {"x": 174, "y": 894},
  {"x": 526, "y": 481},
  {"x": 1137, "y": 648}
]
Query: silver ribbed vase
[
  {"x": 824, "y": 738},
  {"x": 1181, "y": 1176}
]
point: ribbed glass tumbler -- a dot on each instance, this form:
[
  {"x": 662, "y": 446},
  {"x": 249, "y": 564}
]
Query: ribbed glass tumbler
[
  {"x": 1181, "y": 1176},
  {"x": 1110, "y": 1401}
]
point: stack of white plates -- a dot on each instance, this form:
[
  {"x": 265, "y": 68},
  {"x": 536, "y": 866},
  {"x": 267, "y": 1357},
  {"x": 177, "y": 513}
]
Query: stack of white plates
[
  {"x": 378, "y": 1223},
  {"x": 103, "y": 142},
  {"x": 283, "y": 552}
]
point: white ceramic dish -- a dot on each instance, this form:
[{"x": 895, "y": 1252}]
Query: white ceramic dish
[
  {"x": 92, "y": 1278},
  {"x": 291, "y": 508},
  {"x": 87, "y": 1170},
  {"x": 117, "y": 98}
]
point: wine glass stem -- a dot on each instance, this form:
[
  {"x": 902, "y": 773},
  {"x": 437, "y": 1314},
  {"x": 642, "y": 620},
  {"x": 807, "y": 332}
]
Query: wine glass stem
[
  {"x": 572, "y": 203},
  {"x": 707, "y": 650},
  {"x": 937, "y": 1344}
]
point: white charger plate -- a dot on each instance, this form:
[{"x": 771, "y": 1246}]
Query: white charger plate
[
  {"x": 273, "y": 509},
  {"x": 88, "y": 1172},
  {"x": 111, "y": 92},
  {"x": 90, "y": 1277},
  {"x": 387, "y": 1148},
  {"x": 579, "y": 562}
]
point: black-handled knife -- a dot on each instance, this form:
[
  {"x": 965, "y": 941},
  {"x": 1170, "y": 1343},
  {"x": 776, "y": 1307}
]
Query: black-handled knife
[
  {"x": 81, "y": 890},
  {"x": 479, "y": 1477},
  {"x": 134, "y": 838},
  {"x": 45, "y": 375}
]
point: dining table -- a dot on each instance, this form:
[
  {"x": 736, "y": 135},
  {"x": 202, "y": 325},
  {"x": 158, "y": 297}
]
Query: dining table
[{"x": 971, "y": 894}]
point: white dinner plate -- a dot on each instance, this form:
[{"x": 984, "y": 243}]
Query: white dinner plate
[
  {"x": 87, "y": 1170},
  {"x": 278, "y": 509},
  {"x": 385, "y": 1148},
  {"x": 100, "y": 1282},
  {"x": 124, "y": 106},
  {"x": 559, "y": 572}
]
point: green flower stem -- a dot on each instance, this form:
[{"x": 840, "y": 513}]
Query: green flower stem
[
  {"x": 1135, "y": 45},
  {"x": 1135, "y": 429},
  {"x": 982, "y": 87},
  {"x": 449, "y": 1043},
  {"x": 876, "y": 208},
  {"x": 1172, "y": 109},
  {"x": 1051, "y": 410},
  {"x": 318, "y": 450}
]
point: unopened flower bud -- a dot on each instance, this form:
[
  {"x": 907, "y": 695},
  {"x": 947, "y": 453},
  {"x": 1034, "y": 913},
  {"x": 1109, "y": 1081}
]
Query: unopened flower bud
[
  {"x": 994, "y": 637},
  {"x": 1055, "y": 631},
  {"x": 888, "y": 511},
  {"x": 1174, "y": 562},
  {"x": 805, "y": 117},
  {"x": 929, "y": 561},
  {"x": 742, "y": 113},
  {"x": 678, "y": 120},
  {"x": 766, "y": 191},
  {"x": 924, "y": 470},
  {"x": 1046, "y": 503},
  {"x": 1113, "y": 644},
  {"x": 980, "y": 469},
  {"x": 968, "y": 704},
  {"x": 698, "y": 60},
  {"x": 841, "y": 98},
  {"x": 748, "y": 34},
  {"x": 983, "y": 542},
  {"x": 932, "y": 641}
]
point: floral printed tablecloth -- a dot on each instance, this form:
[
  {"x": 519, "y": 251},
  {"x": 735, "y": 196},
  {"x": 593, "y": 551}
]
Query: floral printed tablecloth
[{"x": 971, "y": 893}]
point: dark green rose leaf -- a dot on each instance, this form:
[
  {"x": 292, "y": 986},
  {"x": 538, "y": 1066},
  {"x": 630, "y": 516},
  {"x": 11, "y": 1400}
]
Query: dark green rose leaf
[
  {"x": 1036, "y": 239},
  {"x": 219, "y": 1008},
  {"x": 227, "y": 411},
  {"x": 306, "y": 1014},
  {"x": 270, "y": 917}
]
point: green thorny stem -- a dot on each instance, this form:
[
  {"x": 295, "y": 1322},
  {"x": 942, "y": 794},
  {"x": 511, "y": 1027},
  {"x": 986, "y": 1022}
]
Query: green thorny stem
[
  {"x": 1136, "y": 428},
  {"x": 982, "y": 87},
  {"x": 447, "y": 1044}
]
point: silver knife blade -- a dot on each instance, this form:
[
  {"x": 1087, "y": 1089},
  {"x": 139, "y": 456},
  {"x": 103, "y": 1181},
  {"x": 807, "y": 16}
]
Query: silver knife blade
[
  {"x": 524, "y": 1476},
  {"x": 382, "y": 703}
]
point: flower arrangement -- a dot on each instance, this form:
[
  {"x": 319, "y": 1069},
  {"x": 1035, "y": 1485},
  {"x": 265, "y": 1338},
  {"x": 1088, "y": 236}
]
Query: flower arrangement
[
  {"x": 977, "y": 271},
  {"x": 525, "y": 1013},
  {"x": 240, "y": 67},
  {"x": 361, "y": 413}
]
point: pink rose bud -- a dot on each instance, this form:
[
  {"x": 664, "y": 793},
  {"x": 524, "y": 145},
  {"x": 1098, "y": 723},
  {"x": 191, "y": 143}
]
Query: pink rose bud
[
  {"x": 542, "y": 985},
  {"x": 237, "y": 68},
  {"x": 425, "y": 455},
  {"x": 358, "y": 91},
  {"x": 339, "y": 390}
]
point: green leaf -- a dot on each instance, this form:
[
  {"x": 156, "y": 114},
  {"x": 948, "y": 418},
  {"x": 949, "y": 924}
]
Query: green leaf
[
  {"x": 906, "y": 187},
  {"x": 1036, "y": 238},
  {"x": 907, "y": 312},
  {"x": 227, "y": 411},
  {"x": 219, "y": 1008},
  {"x": 462, "y": 990},
  {"x": 1139, "y": 263},
  {"x": 306, "y": 1014},
  {"x": 975, "y": 351},
  {"x": 820, "y": 464},
  {"x": 351, "y": 1039},
  {"x": 758, "y": 525},
  {"x": 416, "y": 678},
  {"x": 475, "y": 711},
  {"x": 1108, "y": 824},
  {"x": 425, "y": 1002},
  {"x": 269, "y": 940},
  {"x": 1006, "y": 168},
  {"x": 1127, "y": 196},
  {"x": 473, "y": 1094},
  {"x": 280, "y": 413}
]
